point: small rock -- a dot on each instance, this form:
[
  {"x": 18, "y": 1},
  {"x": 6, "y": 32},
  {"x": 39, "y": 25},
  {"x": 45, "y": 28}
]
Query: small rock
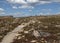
[
  {"x": 17, "y": 34},
  {"x": 1, "y": 36},
  {"x": 34, "y": 41},
  {"x": 45, "y": 26},
  {"x": 26, "y": 32},
  {"x": 23, "y": 36},
  {"x": 26, "y": 39},
  {"x": 19, "y": 37}
]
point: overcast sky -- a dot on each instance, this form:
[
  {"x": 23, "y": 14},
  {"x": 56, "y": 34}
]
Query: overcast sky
[{"x": 29, "y": 7}]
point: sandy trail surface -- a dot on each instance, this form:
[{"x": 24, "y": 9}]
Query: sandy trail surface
[{"x": 11, "y": 35}]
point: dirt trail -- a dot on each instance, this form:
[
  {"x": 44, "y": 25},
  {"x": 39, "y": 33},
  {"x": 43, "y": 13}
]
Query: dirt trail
[{"x": 11, "y": 35}]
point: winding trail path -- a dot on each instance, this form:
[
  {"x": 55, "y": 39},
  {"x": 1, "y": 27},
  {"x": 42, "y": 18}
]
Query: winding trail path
[{"x": 11, "y": 35}]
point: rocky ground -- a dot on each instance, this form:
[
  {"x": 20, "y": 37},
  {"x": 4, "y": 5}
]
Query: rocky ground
[{"x": 42, "y": 29}]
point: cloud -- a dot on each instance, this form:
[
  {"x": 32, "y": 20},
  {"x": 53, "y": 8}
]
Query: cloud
[
  {"x": 23, "y": 7},
  {"x": 44, "y": 2},
  {"x": 19, "y": 14},
  {"x": 46, "y": 10},
  {"x": 56, "y": 0},
  {"x": 17, "y": 1},
  {"x": 26, "y": 6},
  {"x": 15, "y": 14},
  {"x": 58, "y": 13},
  {"x": 41, "y": 13},
  {"x": 2, "y": 11},
  {"x": 14, "y": 7},
  {"x": 23, "y": 4},
  {"x": 30, "y": 10},
  {"x": 30, "y": 3}
]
